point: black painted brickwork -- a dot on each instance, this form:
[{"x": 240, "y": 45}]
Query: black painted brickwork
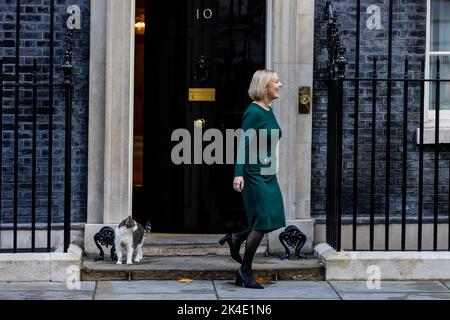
[
  {"x": 409, "y": 40},
  {"x": 35, "y": 31}
]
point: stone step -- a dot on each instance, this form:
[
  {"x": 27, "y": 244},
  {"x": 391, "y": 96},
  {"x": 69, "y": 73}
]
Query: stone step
[
  {"x": 208, "y": 267},
  {"x": 190, "y": 245},
  {"x": 194, "y": 250}
]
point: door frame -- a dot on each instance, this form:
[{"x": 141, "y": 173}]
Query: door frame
[{"x": 270, "y": 22}]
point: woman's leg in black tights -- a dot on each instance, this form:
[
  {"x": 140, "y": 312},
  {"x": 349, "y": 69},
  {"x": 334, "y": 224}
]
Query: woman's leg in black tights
[
  {"x": 253, "y": 240},
  {"x": 239, "y": 237}
]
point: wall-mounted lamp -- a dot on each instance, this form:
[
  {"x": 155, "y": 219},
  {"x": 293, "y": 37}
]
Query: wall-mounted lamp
[{"x": 140, "y": 27}]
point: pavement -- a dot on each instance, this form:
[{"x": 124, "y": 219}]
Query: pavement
[{"x": 186, "y": 289}]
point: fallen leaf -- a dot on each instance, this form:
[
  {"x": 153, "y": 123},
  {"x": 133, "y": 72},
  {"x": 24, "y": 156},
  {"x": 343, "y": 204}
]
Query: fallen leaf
[
  {"x": 262, "y": 280},
  {"x": 185, "y": 280}
]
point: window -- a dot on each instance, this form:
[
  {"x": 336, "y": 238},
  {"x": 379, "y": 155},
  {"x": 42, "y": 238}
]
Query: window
[{"x": 438, "y": 47}]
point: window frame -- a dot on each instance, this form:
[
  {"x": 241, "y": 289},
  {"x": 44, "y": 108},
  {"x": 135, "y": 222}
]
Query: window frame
[{"x": 430, "y": 115}]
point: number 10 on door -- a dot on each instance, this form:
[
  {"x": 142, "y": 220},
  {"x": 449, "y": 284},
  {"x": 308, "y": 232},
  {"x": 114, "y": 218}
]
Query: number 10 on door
[{"x": 206, "y": 14}]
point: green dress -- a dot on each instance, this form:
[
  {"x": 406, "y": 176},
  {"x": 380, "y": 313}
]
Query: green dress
[{"x": 261, "y": 194}]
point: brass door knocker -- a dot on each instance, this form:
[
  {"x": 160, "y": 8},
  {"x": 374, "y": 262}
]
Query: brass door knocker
[{"x": 201, "y": 68}]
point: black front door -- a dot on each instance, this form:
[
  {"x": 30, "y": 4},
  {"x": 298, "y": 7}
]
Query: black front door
[{"x": 200, "y": 56}]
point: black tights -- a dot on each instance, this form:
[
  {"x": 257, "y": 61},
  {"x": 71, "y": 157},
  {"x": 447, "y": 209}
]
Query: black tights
[
  {"x": 253, "y": 239},
  {"x": 239, "y": 237}
]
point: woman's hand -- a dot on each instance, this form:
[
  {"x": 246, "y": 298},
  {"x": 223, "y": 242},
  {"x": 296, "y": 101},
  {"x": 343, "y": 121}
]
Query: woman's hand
[{"x": 238, "y": 184}]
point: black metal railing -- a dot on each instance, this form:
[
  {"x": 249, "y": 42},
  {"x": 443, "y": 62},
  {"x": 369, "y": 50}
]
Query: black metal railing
[
  {"x": 400, "y": 182},
  {"x": 29, "y": 92}
]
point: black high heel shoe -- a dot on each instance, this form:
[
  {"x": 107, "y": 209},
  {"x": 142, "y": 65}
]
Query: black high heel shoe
[
  {"x": 247, "y": 283},
  {"x": 234, "y": 252}
]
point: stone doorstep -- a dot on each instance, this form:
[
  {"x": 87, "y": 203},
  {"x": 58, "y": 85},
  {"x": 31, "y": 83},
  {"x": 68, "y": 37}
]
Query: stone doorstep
[
  {"x": 28, "y": 267},
  {"x": 391, "y": 265},
  {"x": 201, "y": 268},
  {"x": 166, "y": 244},
  {"x": 193, "y": 250},
  {"x": 158, "y": 244}
]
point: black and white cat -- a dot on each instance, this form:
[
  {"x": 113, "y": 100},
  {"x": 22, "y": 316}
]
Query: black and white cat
[{"x": 130, "y": 234}]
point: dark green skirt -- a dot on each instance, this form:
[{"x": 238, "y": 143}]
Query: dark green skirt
[{"x": 263, "y": 202}]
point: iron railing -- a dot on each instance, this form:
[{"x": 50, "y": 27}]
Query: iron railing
[
  {"x": 371, "y": 118},
  {"x": 25, "y": 89}
]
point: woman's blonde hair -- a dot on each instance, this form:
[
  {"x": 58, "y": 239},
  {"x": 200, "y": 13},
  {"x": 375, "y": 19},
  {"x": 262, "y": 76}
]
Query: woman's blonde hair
[{"x": 258, "y": 86}]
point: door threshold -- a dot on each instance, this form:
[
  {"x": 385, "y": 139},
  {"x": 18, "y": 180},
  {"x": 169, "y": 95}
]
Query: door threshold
[
  {"x": 188, "y": 239},
  {"x": 182, "y": 238}
]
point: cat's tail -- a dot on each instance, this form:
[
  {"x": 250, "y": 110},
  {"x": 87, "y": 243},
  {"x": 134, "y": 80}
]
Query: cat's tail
[{"x": 148, "y": 227}]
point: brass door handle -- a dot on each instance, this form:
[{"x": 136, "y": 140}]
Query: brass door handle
[
  {"x": 305, "y": 99},
  {"x": 200, "y": 123}
]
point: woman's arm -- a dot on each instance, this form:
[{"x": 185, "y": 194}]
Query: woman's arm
[{"x": 251, "y": 122}]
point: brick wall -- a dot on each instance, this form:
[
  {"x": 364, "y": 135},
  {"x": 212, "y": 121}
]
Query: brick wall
[
  {"x": 409, "y": 40},
  {"x": 35, "y": 30}
]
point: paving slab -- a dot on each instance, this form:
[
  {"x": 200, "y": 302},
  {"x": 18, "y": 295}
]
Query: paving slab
[
  {"x": 155, "y": 287},
  {"x": 390, "y": 286},
  {"x": 395, "y": 296},
  {"x": 43, "y": 286},
  {"x": 446, "y": 283},
  {"x": 163, "y": 296},
  {"x": 46, "y": 295},
  {"x": 304, "y": 290}
]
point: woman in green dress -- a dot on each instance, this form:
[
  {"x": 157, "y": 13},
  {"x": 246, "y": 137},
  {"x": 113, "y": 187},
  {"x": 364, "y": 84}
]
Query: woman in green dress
[{"x": 257, "y": 180}]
